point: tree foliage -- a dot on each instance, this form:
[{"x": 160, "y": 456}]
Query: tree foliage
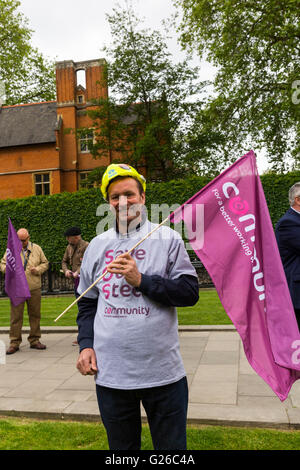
[
  {"x": 150, "y": 108},
  {"x": 25, "y": 75},
  {"x": 255, "y": 46}
]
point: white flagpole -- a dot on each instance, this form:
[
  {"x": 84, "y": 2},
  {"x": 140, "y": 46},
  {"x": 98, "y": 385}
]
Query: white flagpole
[{"x": 103, "y": 274}]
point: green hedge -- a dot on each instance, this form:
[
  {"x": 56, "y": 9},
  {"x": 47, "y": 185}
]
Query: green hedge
[{"x": 47, "y": 217}]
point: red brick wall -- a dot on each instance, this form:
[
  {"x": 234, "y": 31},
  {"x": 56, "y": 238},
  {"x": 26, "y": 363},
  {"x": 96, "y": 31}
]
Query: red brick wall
[{"x": 20, "y": 163}]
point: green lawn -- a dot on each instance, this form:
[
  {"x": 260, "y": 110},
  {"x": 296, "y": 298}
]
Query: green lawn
[
  {"x": 29, "y": 434},
  {"x": 208, "y": 311}
]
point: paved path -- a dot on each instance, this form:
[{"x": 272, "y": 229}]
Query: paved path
[{"x": 224, "y": 389}]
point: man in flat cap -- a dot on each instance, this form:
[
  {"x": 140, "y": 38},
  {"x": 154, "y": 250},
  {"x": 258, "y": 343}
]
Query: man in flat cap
[{"x": 73, "y": 257}]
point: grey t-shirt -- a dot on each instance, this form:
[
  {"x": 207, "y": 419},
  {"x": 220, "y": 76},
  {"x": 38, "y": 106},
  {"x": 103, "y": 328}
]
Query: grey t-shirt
[{"x": 135, "y": 338}]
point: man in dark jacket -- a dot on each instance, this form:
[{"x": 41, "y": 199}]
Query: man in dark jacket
[
  {"x": 288, "y": 238},
  {"x": 73, "y": 257}
]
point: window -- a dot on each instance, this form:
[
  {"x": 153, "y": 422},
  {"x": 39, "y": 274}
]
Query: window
[
  {"x": 80, "y": 99},
  {"x": 85, "y": 141},
  {"x": 42, "y": 184},
  {"x": 81, "y": 78},
  {"x": 82, "y": 178}
]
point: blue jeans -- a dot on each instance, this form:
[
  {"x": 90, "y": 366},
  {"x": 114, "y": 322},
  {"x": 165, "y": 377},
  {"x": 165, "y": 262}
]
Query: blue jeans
[{"x": 166, "y": 409}]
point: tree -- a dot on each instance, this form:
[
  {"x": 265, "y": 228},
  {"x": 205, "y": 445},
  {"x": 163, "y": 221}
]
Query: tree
[
  {"x": 255, "y": 46},
  {"x": 150, "y": 108},
  {"x": 25, "y": 74}
]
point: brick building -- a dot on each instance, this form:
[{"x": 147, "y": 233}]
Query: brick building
[{"x": 37, "y": 155}]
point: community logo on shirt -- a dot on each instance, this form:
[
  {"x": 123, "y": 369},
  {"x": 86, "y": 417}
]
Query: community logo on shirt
[{"x": 123, "y": 312}]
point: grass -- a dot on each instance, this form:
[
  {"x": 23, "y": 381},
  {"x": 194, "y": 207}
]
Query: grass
[
  {"x": 29, "y": 434},
  {"x": 208, "y": 311},
  {"x": 51, "y": 308}
]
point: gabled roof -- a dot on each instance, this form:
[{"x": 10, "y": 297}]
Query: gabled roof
[{"x": 34, "y": 123}]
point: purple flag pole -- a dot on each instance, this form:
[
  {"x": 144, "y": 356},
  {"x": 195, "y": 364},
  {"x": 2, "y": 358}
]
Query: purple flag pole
[{"x": 16, "y": 285}]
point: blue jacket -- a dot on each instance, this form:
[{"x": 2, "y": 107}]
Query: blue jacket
[{"x": 287, "y": 233}]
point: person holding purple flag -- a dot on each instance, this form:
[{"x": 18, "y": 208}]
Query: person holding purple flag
[
  {"x": 23, "y": 264},
  {"x": 128, "y": 327}
]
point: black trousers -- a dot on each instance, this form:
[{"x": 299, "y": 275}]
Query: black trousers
[
  {"x": 166, "y": 409},
  {"x": 297, "y": 313}
]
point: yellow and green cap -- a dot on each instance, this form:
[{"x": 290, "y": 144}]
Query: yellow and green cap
[{"x": 119, "y": 169}]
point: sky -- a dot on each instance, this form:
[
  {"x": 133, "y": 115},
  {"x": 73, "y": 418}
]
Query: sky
[{"x": 78, "y": 29}]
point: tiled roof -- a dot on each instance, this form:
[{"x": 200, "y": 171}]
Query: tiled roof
[{"x": 28, "y": 124}]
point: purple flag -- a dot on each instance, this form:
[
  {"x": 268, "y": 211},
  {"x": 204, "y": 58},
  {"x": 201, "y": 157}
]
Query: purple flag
[
  {"x": 16, "y": 285},
  {"x": 240, "y": 253}
]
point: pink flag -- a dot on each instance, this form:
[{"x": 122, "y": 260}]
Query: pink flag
[
  {"x": 240, "y": 253},
  {"x": 16, "y": 285}
]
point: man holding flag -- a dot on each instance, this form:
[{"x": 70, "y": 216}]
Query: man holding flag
[
  {"x": 128, "y": 329},
  {"x": 23, "y": 264},
  {"x": 241, "y": 255}
]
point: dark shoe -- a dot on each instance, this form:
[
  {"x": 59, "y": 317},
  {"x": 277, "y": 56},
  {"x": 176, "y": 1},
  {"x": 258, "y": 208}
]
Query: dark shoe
[
  {"x": 38, "y": 345},
  {"x": 12, "y": 349}
]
